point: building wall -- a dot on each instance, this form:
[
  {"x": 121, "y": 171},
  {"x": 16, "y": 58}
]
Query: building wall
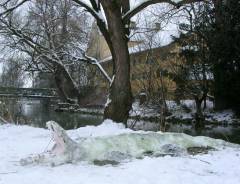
[
  {"x": 148, "y": 70},
  {"x": 149, "y": 67}
]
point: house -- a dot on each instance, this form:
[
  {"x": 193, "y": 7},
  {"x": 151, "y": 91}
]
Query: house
[{"x": 151, "y": 63}]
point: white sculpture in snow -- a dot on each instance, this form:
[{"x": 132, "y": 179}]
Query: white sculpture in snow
[{"x": 116, "y": 148}]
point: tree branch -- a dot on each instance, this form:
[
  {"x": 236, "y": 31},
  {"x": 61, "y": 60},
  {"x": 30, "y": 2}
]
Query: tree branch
[
  {"x": 8, "y": 10},
  {"x": 100, "y": 22},
  {"x": 95, "y": 5},
  {"x": 93, "y": 61},
  {"x": 127, "y": 16},
  {"x": 89, "y": 9}
]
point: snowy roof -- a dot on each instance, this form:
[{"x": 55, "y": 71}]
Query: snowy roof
[
  {"x": 146, "y": 32},
  {"x": 137, "y": 49}
]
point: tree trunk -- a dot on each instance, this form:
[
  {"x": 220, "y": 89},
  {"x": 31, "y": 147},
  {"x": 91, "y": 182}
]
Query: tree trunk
[
  {"x": 120, "y": 90},
  {"x": 198, "y": 107},
  {"x": 199, "y": 115},
  {"x": 67, "y": 89}
]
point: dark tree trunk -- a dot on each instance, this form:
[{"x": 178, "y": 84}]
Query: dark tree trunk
[
  {"x": 199, "y": 118},
  {"x": 120, "y": 89},
  {"x": 198, "y": 107},
  {"x": 205, "y": 103},
  {"x": 67, "y": 89}
]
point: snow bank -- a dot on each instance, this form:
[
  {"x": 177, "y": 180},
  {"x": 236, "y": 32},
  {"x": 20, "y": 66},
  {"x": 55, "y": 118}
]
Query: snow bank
[
  {"x": 17, "y": 142},
  {"x": 119, "y": 147},
  {"x": 185, "y": 111},
  {"x": 108, "y": 127}
]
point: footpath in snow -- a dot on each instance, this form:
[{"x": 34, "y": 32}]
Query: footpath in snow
[{"x": 16, "y": 142}]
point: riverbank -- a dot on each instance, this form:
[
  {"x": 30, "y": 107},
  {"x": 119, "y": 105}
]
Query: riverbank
[{"x": 183, "y": 113}]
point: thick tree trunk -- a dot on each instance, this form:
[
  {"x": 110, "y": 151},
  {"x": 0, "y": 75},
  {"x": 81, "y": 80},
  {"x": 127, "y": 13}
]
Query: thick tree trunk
[{"x": 120, "y": 90}]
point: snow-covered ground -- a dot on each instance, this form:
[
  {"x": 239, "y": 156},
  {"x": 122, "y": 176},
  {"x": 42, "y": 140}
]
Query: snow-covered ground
[
  {"x": 185, "y": 111},
  {"x": 16, "y": 142}
]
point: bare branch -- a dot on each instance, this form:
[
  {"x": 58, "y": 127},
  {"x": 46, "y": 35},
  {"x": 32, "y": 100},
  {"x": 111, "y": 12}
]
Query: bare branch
[
  {"x": 144, "y": 4},
  {"x": 94, "y": 61},
  {"x": 89, "y": 9},
  {"x": 95, "y": 5},
  {"x": 8, "y": 10},
  {"x": 99, "y": 19}
]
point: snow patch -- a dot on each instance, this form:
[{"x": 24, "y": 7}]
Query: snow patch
[{"x": 108, "y": 127}]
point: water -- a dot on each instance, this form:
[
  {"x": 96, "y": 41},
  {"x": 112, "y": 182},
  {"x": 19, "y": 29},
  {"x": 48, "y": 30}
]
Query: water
[
  {"x": 229, "y": 133},
  {"x": 38, "y": 112}
]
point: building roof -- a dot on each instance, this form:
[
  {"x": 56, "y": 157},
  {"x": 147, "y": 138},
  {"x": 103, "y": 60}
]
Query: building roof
[{"x": 144, "y": 35}]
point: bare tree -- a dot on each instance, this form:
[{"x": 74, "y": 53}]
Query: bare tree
[
  {"x": 51, "y": 35},
  {"x": 113, "y": 18}
]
